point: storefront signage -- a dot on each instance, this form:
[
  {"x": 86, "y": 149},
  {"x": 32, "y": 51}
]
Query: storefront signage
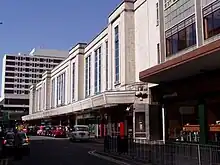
[
  {"x": 187, "y": 110},
  {"x": 83, "y": 116},
  {"x": 170, "y": 95}
]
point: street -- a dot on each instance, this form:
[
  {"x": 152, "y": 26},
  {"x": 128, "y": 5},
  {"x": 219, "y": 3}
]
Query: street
[{"x": 51, "y": 151}]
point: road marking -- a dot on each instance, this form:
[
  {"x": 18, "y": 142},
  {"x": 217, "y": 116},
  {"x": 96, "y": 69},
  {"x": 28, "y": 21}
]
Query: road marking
[{"x": 93, "y": 153}]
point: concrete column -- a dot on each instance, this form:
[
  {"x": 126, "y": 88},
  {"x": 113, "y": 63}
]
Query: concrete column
[
  {"x": 32, "y": 99},
  {"x": 134, "y": 124},
  {"x": 203, "y": 122},
  {"x": 76, "y": 121},
  {"x": 109, "y": 131},
  {"x": 199, "y": 23},
  {"x": 147, "y": 123},
  {"x": 162, "y": 32}
]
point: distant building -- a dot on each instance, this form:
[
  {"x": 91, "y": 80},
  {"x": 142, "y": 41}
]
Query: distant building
[{"x": 19, "y": 73}]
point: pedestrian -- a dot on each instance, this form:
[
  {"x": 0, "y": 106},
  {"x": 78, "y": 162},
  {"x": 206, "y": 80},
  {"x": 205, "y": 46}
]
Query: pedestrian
[{"x": 17, "y": 146}]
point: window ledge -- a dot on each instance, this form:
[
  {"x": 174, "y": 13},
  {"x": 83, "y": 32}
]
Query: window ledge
[{"x": 117, "y": 83}]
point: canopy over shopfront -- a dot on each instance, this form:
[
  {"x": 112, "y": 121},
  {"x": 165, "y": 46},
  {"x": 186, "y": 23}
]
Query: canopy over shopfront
[{"x": 200, "y": 60}]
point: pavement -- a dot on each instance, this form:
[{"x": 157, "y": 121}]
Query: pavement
[{"x": 60, "y": 151}]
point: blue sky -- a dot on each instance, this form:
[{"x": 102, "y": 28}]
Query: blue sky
[{"x": 52, "y": 24}]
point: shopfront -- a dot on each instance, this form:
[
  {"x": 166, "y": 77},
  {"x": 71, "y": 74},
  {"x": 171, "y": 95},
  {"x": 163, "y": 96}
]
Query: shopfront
[{"x": 188, "y": 94}]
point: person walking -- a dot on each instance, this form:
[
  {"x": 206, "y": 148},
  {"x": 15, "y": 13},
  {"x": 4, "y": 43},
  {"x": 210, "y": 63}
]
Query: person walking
[{"x": 17, "y": 146}]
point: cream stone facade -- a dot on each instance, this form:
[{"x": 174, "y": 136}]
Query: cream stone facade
[{"x": 105, "y": 72}]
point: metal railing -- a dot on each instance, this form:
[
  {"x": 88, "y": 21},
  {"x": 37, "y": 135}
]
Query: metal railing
[{"x": 170, "y": 153}]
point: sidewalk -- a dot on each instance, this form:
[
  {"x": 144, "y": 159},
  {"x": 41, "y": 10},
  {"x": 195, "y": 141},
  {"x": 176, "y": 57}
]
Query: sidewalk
[{"x": 124, "y": 158}]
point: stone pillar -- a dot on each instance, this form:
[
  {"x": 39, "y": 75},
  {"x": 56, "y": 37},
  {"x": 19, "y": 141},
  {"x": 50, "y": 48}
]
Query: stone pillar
[
  {"x": 32, "y": 99},
  {"x": 199, "y": 23},
  {"x": 46, "y": 91},
  {"x": 76, "y": 121},
  {"x": 147, "y": 123},
  {"x": 109, "y": 131}
]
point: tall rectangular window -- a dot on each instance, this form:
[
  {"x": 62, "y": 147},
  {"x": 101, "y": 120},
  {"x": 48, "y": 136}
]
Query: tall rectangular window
[
  {"x": 58, "y": 89},
  {"x": 117, "y": 56},
  {"x": 63, "y": 78},
  {"x": 96, "y": 71},
  {"x": 53, "y": 93},
  {"x": 97, "y": 82},
  {"x": 61, "y": 89},
  {"x": 73, "y": 82},
  {"x": 64, "y": 88},
  {"x": 88, "y": 76},
  {"x": 100, "y": 71},
  {"x": 106, "y": 63},
  {"x": 158, "y": 54},
  {"x": 157, "y": 13}
]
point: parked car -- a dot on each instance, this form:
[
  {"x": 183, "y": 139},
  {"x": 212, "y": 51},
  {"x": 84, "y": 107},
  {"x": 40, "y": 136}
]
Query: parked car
[
  {"x": 79, "y": 133},
  {"x": 8, "y": 143},
  {"x": 59, "y": 132},
  {"x": 40, "y": 132},
  {"x": 32, "y": 130},
  {"x": 48, "y": 131}
]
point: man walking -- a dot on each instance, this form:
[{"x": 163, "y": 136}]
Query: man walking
[{"x": 17, "y": 145}]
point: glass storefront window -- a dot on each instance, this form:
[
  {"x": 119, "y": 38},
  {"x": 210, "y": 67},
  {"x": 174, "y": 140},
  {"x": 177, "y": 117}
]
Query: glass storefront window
[{"x": 140, "y": 122}]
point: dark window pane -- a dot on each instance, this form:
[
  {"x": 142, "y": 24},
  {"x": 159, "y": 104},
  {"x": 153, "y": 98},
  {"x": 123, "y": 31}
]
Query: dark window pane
[
  {"x": 140, "y": 122},
  {"x": 182, "y": 40},
  {"x": 189, "y": 36},
  {"x": 216, "y": 22},
  {"x": 208, "y": 26},
  {"x": 169, "y": 46},
  {"x": 175, "y": 43}
]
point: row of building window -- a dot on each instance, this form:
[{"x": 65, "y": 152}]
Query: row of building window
[
  {"x": 60, "y": 81},
  {"x": 186, "y": 37},
  {"x": 27, "y": 69},
  {"x": 30, "y": 64},
  {"x": 14, "y": 80},
  {"x": 181, "y": 40},
  {"x": 8, "y": 91},
  {"x": 23, "y": 59}
]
